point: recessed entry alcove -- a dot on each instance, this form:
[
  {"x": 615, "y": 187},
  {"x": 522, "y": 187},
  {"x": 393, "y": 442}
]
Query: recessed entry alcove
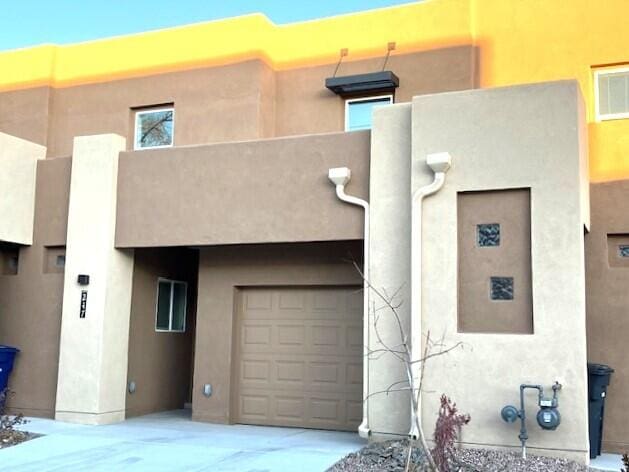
[{"x": 494, "y": 261}]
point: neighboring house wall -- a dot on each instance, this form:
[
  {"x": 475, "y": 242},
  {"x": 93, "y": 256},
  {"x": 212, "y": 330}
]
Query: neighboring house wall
[
  {"x": 18, "y": 159},
  {"x": 160, "y": 363},
  {"x": 499, "y": 139},
  {"x": 608, "y": 303},
  {"x": 253, "y": 192},
  {"x": 222, "y": 271},
  {"x": 30, "y": 302}
]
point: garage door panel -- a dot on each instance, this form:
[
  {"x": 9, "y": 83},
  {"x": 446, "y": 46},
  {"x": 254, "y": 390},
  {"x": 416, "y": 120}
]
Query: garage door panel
[
  {"x": 291, "y": 336},
  {"x": 294, "y": 300},
  {"x": 259, "y": 301},
  {"x": 300, "y": 357},
  {"x": 326, "y": 338},
  {"x": 291, "y": 372},
  {"x": 289, "y": 408},
  {"x": 311, "y": 373},
  {"x": 256, "y": 370},
  {"x": 318, "y": 410},
  {"x": 256, "y": 335},
  {"x": 254, "y": 406},
  {"x": 354, "y": 411}
]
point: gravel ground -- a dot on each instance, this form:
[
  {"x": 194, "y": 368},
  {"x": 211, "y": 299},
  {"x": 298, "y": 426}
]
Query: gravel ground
[
  {"x": 13, "y": 437},
  {"x": 390, "y": 456}
]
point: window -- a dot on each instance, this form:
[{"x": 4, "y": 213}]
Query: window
[
  {"x": 358, "y": 111},
  {"x": 154, "y": 128},
  {"x": 170, "y": 311},
  {"x": 612, "y": 93}
]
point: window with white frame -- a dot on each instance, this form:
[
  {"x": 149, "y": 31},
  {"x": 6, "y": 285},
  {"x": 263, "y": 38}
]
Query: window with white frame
[
  {"x": 358, "y": 111},
  {"x": 154, "y": 128},
  {"x": 170, "y": 311},
  {"x": 612, "y": 93}
]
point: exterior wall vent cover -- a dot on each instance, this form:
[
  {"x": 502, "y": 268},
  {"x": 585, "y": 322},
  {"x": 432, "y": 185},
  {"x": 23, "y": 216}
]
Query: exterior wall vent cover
[{"x": 360, "y": 84}]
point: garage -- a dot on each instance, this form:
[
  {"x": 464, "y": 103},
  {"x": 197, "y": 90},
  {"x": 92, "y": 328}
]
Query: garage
[{"x": 298, "y": 357}]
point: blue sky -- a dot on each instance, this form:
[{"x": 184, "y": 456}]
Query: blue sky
[{"x": 30, "y": 22}]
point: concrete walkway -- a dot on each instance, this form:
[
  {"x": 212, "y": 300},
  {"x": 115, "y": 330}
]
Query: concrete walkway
[
  {"x": 607, "y": 462},
  {"x": 171, "y": 442}
]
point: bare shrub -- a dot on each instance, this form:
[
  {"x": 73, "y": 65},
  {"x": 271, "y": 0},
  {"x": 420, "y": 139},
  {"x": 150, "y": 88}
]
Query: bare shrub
[
  {"x": 414, "y": 368},
  {"x": 8, "y": 434},
  {"x": 449, "y": 423}
]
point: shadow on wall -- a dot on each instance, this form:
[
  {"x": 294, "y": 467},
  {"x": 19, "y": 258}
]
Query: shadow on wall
[{"x": 160, "y": 361}]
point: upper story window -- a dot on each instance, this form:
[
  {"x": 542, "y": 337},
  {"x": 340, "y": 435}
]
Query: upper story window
[
  {"x": 612, "y": 93},
  {"x": 154, "y": 128},
  {"x": 358, "y": 111},
  {"x": 171, "y": 303}
]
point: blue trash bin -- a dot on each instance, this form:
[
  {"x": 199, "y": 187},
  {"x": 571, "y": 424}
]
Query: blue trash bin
[{"x": 7, "y": 356}]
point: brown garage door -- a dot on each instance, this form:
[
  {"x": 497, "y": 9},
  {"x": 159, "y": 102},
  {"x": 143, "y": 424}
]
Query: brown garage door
[{"x": 299, "y": 357}]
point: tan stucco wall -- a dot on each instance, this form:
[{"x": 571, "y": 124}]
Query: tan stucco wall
[
  {"x": 477, "y": 313},
  {"x": 24, "y": 113},
  {"x": 215, "y": 104},
  {"x": 30, "y": 302},
  {"x": 52, "y": 198},
  {"x": 160, "y": 363},
  {"x": 608, "y": 304},
  {"x": 93, "y": 350},
  {"x": 513, "y": 137},
  {"x": 526, "y": 136},
  {"x": 273, "y": 190},
  {"x": 222, "y": 270},
  {"x": 304, "y": 105},
  {"x": 247, "y": 100},
  {"x": 18, "y": 161},
  {"x": 390, "y": 223}
]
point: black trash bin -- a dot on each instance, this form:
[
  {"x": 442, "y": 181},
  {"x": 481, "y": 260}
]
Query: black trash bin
[{"x": 599, "y": 376}]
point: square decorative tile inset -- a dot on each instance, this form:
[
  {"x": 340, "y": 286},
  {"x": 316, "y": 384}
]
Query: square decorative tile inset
[
  {"x": 488, "y": 235},
  {"x": 501, "y": 288}
]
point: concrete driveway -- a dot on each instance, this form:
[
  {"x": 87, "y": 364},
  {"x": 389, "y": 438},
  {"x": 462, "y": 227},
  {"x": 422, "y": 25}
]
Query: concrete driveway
[{"x": 171, "y": 442}]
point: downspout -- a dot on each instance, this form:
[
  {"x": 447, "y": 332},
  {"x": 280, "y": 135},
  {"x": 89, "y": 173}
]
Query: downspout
[
  {"x": 439, "y": 163},
  {"x": 339, "y": 177}
]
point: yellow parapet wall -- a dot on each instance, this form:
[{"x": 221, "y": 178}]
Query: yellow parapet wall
[
  {"x": 416, "y": 26},
  {"x": 518, "y": 42},
  {"x": 542, "y": 40}
]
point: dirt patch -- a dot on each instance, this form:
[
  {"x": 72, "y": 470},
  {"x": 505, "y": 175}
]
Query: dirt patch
[{"x": 390, "y": 456}]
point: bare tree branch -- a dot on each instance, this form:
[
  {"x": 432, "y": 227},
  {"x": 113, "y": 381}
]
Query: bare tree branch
[{"x": 389, "y": 305}]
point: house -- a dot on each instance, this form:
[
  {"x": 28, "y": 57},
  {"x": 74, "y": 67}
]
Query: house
[{"x": 170, "y": 236}]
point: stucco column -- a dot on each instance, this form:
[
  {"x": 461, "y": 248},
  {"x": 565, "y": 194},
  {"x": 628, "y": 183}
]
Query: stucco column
[
  {"x": 389, "y": 195},
  {"x": 95, "y": 318},
  {"x": 18, "y": 159}
]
